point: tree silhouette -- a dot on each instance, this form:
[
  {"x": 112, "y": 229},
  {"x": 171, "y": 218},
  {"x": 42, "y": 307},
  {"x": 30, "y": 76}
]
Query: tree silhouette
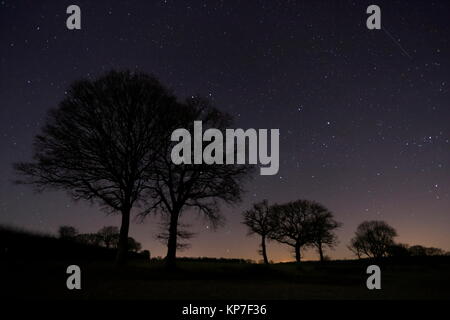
[
  {"x": 67, "y": 232},
  {"x": 259, "y": 221},
  {"x": 418, "y": 250},
  {"x": 109, "y": 236},
  {"x": 179, "y": 188},
  {"x": 323, "y": 226},
  {"x": 89, "y": 238},
  {"x": 399, "y": 250},
  {"x": 293, "y": 225},
  {"x": 100, "y": 143},
  {"x": 373, "y": 239},
  {"x": 133, "y": 245}
]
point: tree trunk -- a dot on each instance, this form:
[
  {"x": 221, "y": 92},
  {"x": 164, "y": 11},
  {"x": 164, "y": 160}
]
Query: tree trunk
[
  {"x": 122, "y": 247},
  {"x": 263, "y": 250},
  {"x": 297, "y": 253},
  {"x": 319, "y": 247},
  {"x": 172, "y": 241}
]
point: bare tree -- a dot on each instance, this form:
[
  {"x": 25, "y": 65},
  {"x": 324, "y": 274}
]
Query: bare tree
[
  {"x": 373, "y": 239},
  {"x": 323, "y": 226},
  {"x": 109, "y": 236},
  {"x": 67, "y": 232},
  {"x": 179, "y": 188},
  {"x": 259, "y": 221},
  {"x": 99, "y": 144},
  {"x": 293, "y": 225}
]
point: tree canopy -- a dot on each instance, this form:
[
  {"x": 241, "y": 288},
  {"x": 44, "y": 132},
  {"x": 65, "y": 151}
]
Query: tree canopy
[{"x": 373, "y": 239}]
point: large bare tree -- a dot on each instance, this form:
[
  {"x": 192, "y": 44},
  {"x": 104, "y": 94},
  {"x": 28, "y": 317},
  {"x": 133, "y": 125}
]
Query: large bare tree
[
  {"x": 259, "y": 220},
  {"x": 182, "y": 188},
  {"x": 100, "y": 143}
]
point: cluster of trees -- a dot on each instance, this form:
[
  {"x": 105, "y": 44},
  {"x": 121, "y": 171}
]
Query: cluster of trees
[
  {"x": 107, "y": 237},
  {"x": 109, "y": 142},
  {"x": 299, "y": 224},
  {"x": 304, "y": 224},
  {"x": 418, "y": 250},
  {"x": 375, "y": 239}
]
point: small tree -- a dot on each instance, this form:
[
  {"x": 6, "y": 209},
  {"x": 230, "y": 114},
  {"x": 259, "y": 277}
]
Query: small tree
[
  {"x": 67, "y": 232},
  {"x": 259, "y": 221},
  {"x": 323, "y": 226},
  {"x": 293, "y": 225},
  {"x": 133, "y": 245},
  {"x": 100, "y": 144},
  {"x": 109, "y": 236},
  {"x": 373, "y": 239}
]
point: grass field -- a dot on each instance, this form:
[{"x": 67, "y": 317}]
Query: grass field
[
  {"x": 420, "y": 279},
  {"x": 34, "y": 266}
]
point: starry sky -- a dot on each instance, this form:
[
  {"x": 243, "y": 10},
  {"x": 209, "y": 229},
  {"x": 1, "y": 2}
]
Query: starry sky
[{"x": 364, "y": 115}]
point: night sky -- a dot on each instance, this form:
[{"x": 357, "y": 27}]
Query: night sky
[{"x": 364, "y": 115}]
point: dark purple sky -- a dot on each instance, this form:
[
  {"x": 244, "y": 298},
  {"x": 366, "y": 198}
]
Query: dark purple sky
[{"x": 364, "y": 116}]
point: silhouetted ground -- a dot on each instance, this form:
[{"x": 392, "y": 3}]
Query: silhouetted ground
[{"x": 413, "y": 278}]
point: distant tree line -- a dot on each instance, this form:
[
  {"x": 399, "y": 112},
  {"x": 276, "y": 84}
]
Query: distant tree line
[
  {"x": 69, "y": 245},
  {"x": 209, "y": 259},
  {"x": 107, "y": 237}
]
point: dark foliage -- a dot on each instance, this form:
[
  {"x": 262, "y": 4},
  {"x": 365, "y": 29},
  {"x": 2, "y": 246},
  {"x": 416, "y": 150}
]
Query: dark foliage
[
  {"x": 67, "y": 232},
  {"x": 373, "y": 239},
  {"x": 418, "y": 250},
  {"x": 109, "y": 236},
  {"x": 22, "y": 245}
]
